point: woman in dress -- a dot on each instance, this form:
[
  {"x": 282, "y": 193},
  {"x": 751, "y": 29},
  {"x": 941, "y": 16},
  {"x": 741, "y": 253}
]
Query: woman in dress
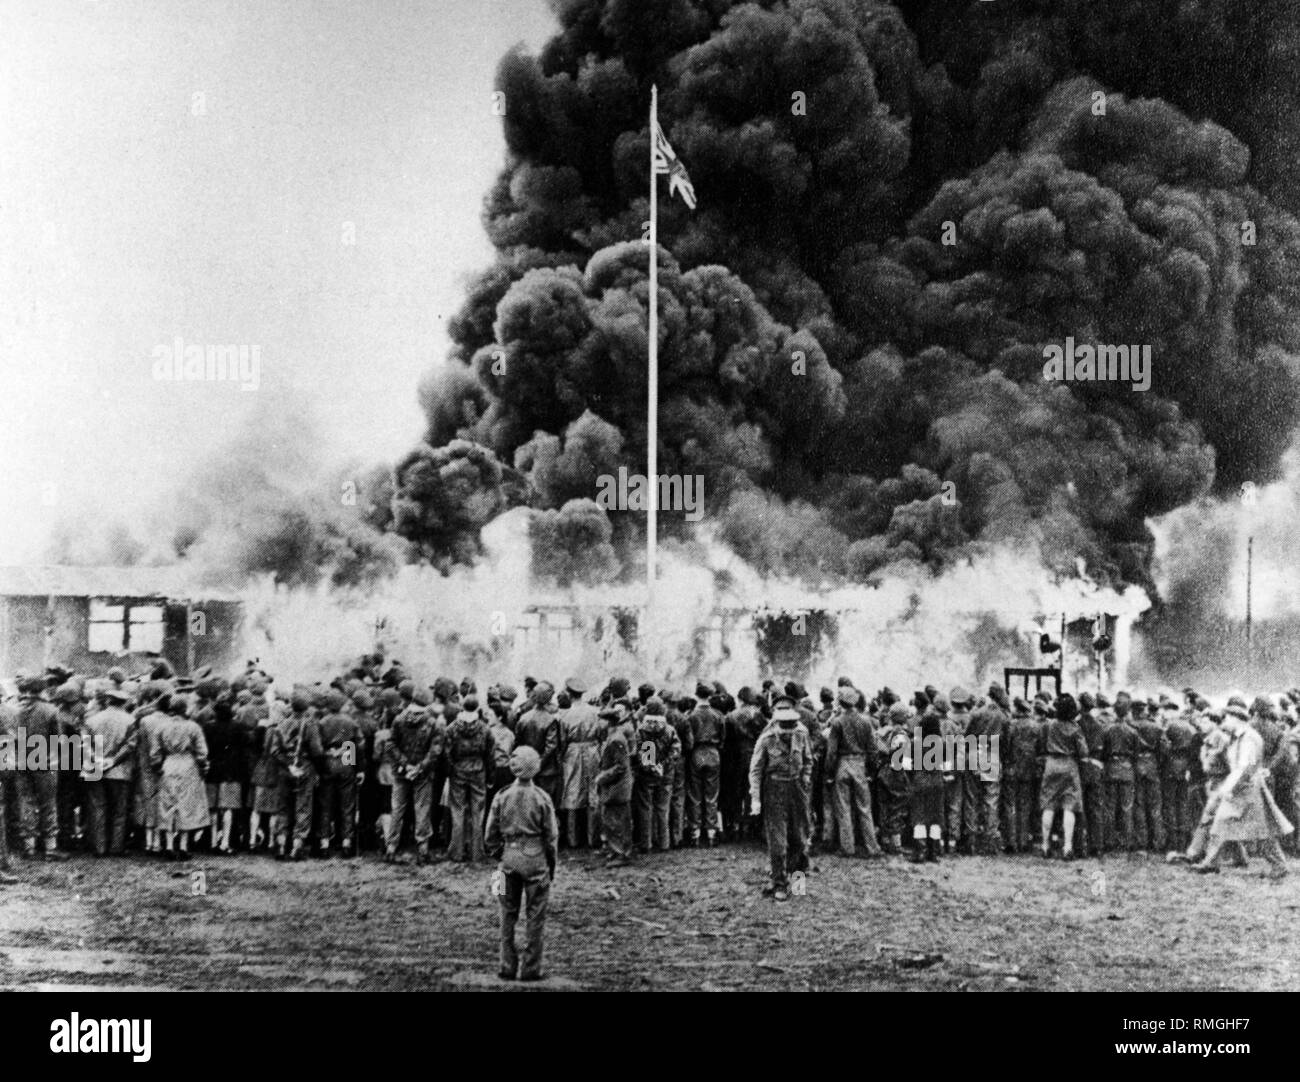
[
  {"x": 149, "y": 718},
  {"x": 1243, "y": 808},
  {"x": 180, "y": 756},
  {"x": 1064, "y": 748},
  {"x": 225, "y": 795}
]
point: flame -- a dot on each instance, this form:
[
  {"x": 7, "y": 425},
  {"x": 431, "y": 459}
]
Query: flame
[{"x": 914, "y": 627}]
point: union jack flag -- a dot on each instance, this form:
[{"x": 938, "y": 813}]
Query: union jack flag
[{"x": 666, "y": 161}]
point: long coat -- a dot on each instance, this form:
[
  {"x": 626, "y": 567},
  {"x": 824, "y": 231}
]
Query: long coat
[
  {"x": 582, "y": 732},
  {"x": 145, "y": 809},
  {"x": 1246, "y": 810},
  {"x": 181, "y": 755}
]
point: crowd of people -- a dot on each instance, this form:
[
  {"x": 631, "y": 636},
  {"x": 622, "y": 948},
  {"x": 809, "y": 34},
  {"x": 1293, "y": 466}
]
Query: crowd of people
[{"x": 374, "y": 760}]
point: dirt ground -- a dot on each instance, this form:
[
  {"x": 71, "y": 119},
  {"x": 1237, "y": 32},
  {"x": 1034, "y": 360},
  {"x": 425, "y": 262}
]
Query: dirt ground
[{"x": 686, "y": 920}]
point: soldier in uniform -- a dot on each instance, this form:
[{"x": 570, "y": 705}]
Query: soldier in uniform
[
  {"x": 539, "y": 729},
  {"x": 109, "y": 793},
  {"x": 851, "y": 749},
  {"x": 295, "y": 746},
  {"x": 413, "y": 748},
  {"x": 780, "y": 779},
  {"x": 1020, "y": 783},
  {"x": 823, "y": 794},
  {"x": 361, "y": 709},
  {"x": 1119, "y": 753},
  {"x": 470, "y": 750},
  {"x": 38, "y": 785},
  {"x": 1152, "y": 750},
  {"x": 523, "y": 832},
  {"x": 71, "y": 798},
  {"x": 951, "y": 731},
  {"x": 705, "y": 774},
  {"x": 679, "y": 712},
  {"x": 892, "y": 780},
  {"x": 503, "y": 743},
  {"x": 743, "y": 727},
  {"x": 1184, "y": 745},
  {"x": 657, "y": 750},
  {"x": 344, "y": 744},
  {"x": 983, "y": 778},
  {"x": 614, "y": 783},
  {"x": 822, "y": 821},
  {"x": 1092, "y": 776},
  {"x": 1282, "y": 770}
]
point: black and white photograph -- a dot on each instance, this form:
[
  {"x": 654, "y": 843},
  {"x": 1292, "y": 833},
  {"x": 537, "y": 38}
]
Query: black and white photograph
[{"x": 533, "y": 496}]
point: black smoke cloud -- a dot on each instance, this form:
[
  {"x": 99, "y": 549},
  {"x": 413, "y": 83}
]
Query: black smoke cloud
[{"x": 827, "y": 362}]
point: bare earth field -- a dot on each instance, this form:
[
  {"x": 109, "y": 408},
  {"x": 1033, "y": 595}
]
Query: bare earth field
[{"x": 686, "y": 920}]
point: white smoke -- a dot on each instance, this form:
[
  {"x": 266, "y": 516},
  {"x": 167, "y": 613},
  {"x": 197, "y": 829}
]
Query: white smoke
[{"x": 492, "y": 622}]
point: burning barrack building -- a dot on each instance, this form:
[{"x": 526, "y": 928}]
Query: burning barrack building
[{"x": 94, "y": 618}]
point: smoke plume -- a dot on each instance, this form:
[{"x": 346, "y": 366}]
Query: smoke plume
[{"x": 860, "y": 395}]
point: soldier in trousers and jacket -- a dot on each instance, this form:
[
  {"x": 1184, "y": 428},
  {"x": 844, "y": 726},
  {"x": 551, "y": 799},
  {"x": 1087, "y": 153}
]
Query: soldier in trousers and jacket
[
  {"x": 38, "y": 789},
  {"x": 982, "y": 780},
  {"x": 851, "y": 752},
  {"x": 344, "y": 746},
  {"x": 296, "y": 748},
  {"x": 780, "y": 781},
  {"x": 1153, "y": 749},
  {"x": 1020, "y": 778},
  {"x": 522, "y": 830},
  {"x": 614, "y": 787},
  {"x": 413, "y": 750},
  {"x": 470, "y": 750},
  {"x": 1118, "y": 752},
  {"x": 679, "y": 713},
  {"x": 540, "y": 730},
  {"x": 1175, "y": 782},
  {"x": 704, "y": 776},
  {"x": 892, "y": 781},
  {"x": 657, "y": 752}
]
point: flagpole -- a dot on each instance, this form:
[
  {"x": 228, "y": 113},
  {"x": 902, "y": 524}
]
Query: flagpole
[{"x": 652, "y": 417}]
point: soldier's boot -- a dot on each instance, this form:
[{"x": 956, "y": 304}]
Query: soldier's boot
[
  {"x": 422, "y": 854},
  {"x": 346, "y": 850},
  {"x": 390, "y": 855},
  {"x": 932, "y": 849},
  {"x": 296, "y": 852},
  {"x": 324, "y": 849},
  {"x": 709, "y": 838},
  {"x": 29, "y": 849}
]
